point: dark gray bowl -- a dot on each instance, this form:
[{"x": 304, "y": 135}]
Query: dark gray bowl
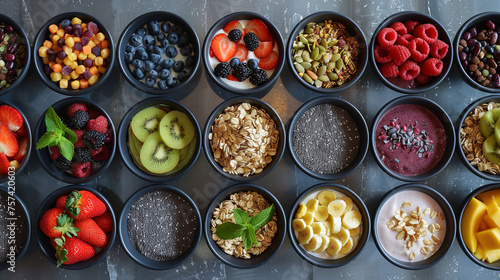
[
  {"x": 362, "y": 128},
  {"x": 123, "y": 136},
  {"x": 352, "y": 28},
  {"x": 43, "y": 35},
  {"x": 365, "y": 234},
  {"x": 129, "y": 247},
  {"x": 443, "y": 36},
  {"x": 141, "y": 21},
  {"x": 44, "y": 242},
  {"x": 445, "y": 244},
  {"x": 276, "y": 243},
  {"x": 27, "y": 60},
  {"x": 259, "y": 104},
  {"x": 442, "y": 116},
  {"x": 277, "y": 39}
]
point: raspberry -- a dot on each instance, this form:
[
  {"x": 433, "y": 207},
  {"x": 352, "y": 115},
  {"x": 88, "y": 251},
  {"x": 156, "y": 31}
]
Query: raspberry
[
  {"x": 389, "y": 70},
  {"x": 103, "y": 155},
  {"x": 94, "y": 113},
  {"x": 427, "y": 31},
  {"x": 81, "y": 170},
  {"x": 422, "y": 79},
  {"x": 399, "y": 54},
  {"x": 109, "y": 136},
  {"x": 399, "y": 27},
  {"x": 404, "y": 40},
  {"x": 79, "y": 133},
  {"x": 381, "y": 55},
  {"x": 387, "y": 37},
  {"x": 99, "y": 124},
  {"x": 419, "y": 49},
  {"x": 410, "y": 25},
  {"x": 432, "y": 67},
  {"x": 439, "y": 49},
  {"x": 75, "y": 107},
  {"x": 409, "y": 70},
  {"x": 55, "y": 153},
  {"x": 95, "y": 152}
]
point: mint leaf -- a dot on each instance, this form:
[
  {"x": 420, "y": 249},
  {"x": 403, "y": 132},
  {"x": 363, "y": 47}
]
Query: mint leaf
[
  {"x": 70, "y": 135},
  {"x": 66, "y": 147},
  {"x": 241, "y": 217},
  {"x": 247, "y": 239},
  {"x": 52, "y": 120},
  {"x": 48, "y": 139},
  {"x": 229, "y": 230},
  {"x": 263, "y": 217},
  {"x": 253, "y": 238}
]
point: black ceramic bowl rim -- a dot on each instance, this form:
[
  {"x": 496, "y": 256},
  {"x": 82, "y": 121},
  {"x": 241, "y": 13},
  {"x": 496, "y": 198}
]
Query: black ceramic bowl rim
[
  {"x": 129, "y": 247},
  {"x": 29, "y": 137},
  {"x": 351, "y": 26},
  {"x": 43, "y": 241},
  {"x": 19, "y": 30},
  {"x": 43, "y": 35},
  {"x": 495, "y": 265},
  {"x": 442, "y": 117},
  {"x": 446, "y": 244},
  {"x": 123, "y": 139},
  {"x": 276, "y": 243},
  {"x": 330, "y": 263},
  {"x": 478, "y": 19},
  {"x": 261, "y": 105},
  {"x": 443, "y": 36},
  {"x": 278, "y": 39},
  {"x": 460, "y": 151},
  {"x": 43, "y": 154},
  {"x": 362, "y": 128},
  {"x": 130, "y": 29},
  {"x": 26, "y": 243}
]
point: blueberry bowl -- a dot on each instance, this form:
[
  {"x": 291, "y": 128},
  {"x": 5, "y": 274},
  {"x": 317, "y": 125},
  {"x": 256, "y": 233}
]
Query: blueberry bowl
[
  {"x": 95, "y": 71},
  {"x": 268, "y": 57},
  {"x": 161, "y": 67}
]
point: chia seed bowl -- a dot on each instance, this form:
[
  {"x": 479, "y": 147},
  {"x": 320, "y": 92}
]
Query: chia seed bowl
[
  {"x": 321, "y": 163},
  {"x": 130, "y": 225}
]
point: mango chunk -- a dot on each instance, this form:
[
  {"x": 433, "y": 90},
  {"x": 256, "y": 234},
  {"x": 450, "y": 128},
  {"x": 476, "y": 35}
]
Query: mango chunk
[
  {"x": 493, "y": 210},
  {"x": 488, "y": 221},
  {"x": 492, "y": 255},
  {"x": 493, "y": 193},
  {"x": 489, "y": 239},
  {"x": 480, "y": 252},
  {"x": 483, "y": 225},
  {"x": 471, "y": 219}
]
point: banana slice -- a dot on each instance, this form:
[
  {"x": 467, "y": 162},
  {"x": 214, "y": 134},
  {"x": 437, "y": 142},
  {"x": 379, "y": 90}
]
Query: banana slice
[
  {"x": 298, "y": 225},
  {"x": 343, "y": 235},
  {"x": 308, "y": 218},
  {"x": 352, "y": 219},
  {"x": 305, "y": 236},
  {"x": 301, "y": 211},
  {"x": 318, "y": 228},
  {"x": 355, "y": 231},
  {"x": 348, "y": 203},
  {"x": 347, "y": 247},
  {"x": 312, "y": 205},
  {"x": 324, "y": 244},
  {"x": 324, "y": 197},
  {"x": 336, "y": 208},
  {"x": 314, "y": 243},
  {"x": 328, "y": 226},
  {"x": 321, "y": 213},
  {"x": 337, "y": 225},
  {"x": 334, "y": 246}
]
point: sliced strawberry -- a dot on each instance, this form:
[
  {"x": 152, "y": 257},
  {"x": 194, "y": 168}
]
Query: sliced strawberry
[
  {"x": 21, "y": 132},
  {"x": 231, "y": 77},
  {"x": 4, "y": 164},
  {"x": 241, "y": 52},
  {"x": 258, "y": 27},
  {"x": 269, "y": 62},
  {"x": 211, "y": 52},
  {"x": 223, "y": 48},
  {"x": 264, "y": 49},
  {"x": 11, "y": 117},
  {"x": 234, "y": 25},
  {"x": 21, "y": 152},
  {"x": 8, "y": 142}
]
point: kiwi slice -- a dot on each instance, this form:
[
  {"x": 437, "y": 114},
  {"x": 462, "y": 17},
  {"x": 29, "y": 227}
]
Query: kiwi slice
[
  {"x": 146, "y": 122},
  {"x": 185, "y": 156},
  {"x": 134, "y": 146},
  {"x": 157, "y": 157},
  {"x": 491, "y": 150},
  {"x": 488, "y": 121},
  {"x": 176, "y": 130}
]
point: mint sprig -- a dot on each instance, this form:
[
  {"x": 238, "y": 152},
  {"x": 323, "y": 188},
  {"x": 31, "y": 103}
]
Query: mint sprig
[
  {"x": 245, "y": 226},
  {"x": 57, "y": 135}
]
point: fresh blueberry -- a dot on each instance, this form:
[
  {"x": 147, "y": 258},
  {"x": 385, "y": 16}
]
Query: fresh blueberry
[
  {"x": 153, "y": 74},
  {"x": 141, "y": 31},
  {"x": 141, "y": 54},
  {"x": 172, "y": 82},
  {"x": 160, "y": 36},
  {"x": 178, "y": 29},
  {"x": 184, "y": 40},
  {"x": 150, "y": 82},
  {"x": 148, "y": 65},
  {"x": 173, "y": 38},
  {"x": 162, "y": 84},
  {"x": 155, "y": 58},
  {"x": 136, "y": 40},
  {"x": 178, "y": 66},
  {"x": 186, "y": 50},
  {"x": 168, "y": 63},
  {"x": 129, "y": 49},
  {"x": 234, "y": 61},
  {"x": 183, "y": 76},
  {"x": 171, "y": 52},
  {"x": 158, "y": 67},
  {"x": 149, "y": 49},
  {"x": 140, "y": 48},
  {"x": 138, "y": 73},
  {"x": 253, "y": 64},
  {"x": 165, "y": 43},
  {"x": 165, "y": 27},
  {"x": 158, "y": 50},
  {"x": 137, "y": 63},
  {"x": 148, "y": 40},
  {"x": 153, "y": 27},
  {"x": 65, "y": 23},
  {"x": 189, "y": 62},
  {"x": 164, "y": 74},
  {"x": 129, "y": 57}
]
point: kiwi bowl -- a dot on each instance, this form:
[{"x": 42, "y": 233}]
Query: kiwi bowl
[{"x": 159, "y": 139}]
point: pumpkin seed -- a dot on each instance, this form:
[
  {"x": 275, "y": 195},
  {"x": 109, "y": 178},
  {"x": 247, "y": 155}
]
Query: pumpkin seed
[
  {"x": 311, "y": 24},
  {"x": 299, "y": 59},
  {"x": 307, "y": 78},
  {"x": 339, "y": 64},
  {"x": 333, "y": 42},
  {"x": 331, "y": 65},
  {"x": 324, "y": 78},
  {"x": 324, "y": 43},
  {"x": 308, "y": 30},
  {"x": 306, "y": 56},
  {"x": 321, "y": 71},
  {"x": 315, "y": 53},
  {"x": 318, "y": 83},
  {"x": 311, "y": 40},
  {"x": 321, "y": 23},
  {"x": 299, "y": 67},
  {"x": 311, "y": 74},
  {"x": 315, "y": 64},
  {"x": 303, "y": 40},
  {"x": 332, "y": 76},
  {"x": 306, "y": 65},
  {"x": 335, "y": 57}
]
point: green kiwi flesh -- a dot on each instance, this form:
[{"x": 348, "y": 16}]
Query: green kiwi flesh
[
  {"x": 146, "y": 122},
  {"x": 491, "y": 150},
  {"x": 488, "y": 121},
  {"x": 176, "y": 130},
  {"x": 157, "y": 157},
  {"x": 185, "y": 156},
  {"x": 134, "y": 146}
]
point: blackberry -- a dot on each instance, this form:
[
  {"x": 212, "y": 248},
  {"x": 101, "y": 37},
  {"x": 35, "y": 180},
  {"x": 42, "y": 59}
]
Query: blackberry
[
  {"x": 93, "y": 139},
  {"x": 82, "y": 155},
  {"x": 251, "y": 41},
  {"x": 62, "y": 163},
  {"x": 258, "y": 77},
  {"x": 241, "y": 72},
  {"x": 234, "y": 35},
  {"x": 79, "y": 119},
  {"x": 222, "y": 69}
]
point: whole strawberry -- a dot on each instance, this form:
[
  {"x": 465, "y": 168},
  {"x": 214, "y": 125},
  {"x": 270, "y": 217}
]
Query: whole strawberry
[
  {"x": 91, "y": 233},
  {"x": 82, "y": 205},
  {"x": 105, "y": 222},
  {"x": 54, "y": 223},
  {"x": 72, "y": 250}
]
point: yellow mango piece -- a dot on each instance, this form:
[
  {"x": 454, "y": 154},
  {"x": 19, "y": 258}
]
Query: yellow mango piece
[
  {"x": 489, "y": 239},
  {"x": 471, "y": 219},
  {"x": 492, "y": 255},
  {"x": 494, "y": 193},
  {"x": 493, "y": 210},
  {"x": 483, "y": 225},
  {"x": 480, "y": 253},
  {"x": 488, "y": 221}
]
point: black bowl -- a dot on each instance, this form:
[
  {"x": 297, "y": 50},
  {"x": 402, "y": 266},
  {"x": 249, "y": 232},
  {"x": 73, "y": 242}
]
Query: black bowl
[
  {"x": 44, "y": 156},
  {"x": 365, "y": 233},
  {"x": 123, "y": 139},
  {"x": 441, "y": 115},
  {"x": 478, "y": 21},
  {"x": 129, "y": 247},
  {"x": 257, "y": 260},
  {"x": 445, "y": 243},
  {"x": 353, "y": 29},
  {"x": 443, "y": 36},
  {"x": 362, "y": 128},
  {"x": 44, "y": 242},
  {"x": 29, "y": 139},
  {"x": 278, "y": 42},
  {"x": 142, "y": 20},
  {"x": 22, "y": 221},
  {"x": 27, "y": 60},
  {"x": 220, "y": 110},
  {"x": 43, "y": 35},
  {"x": 494, "y": 265}
]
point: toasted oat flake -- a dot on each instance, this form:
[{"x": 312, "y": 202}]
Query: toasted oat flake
[
  {"x": 406, "y": 204},
  {"x": 433, "y": 214},
  {"x": 427, "y": 211},
  {"x": 400, "y": 235},
  {"x": 424, "y": 250},
  {"x": 427, "y": 242},
  {"x": 412, "y": 256}
]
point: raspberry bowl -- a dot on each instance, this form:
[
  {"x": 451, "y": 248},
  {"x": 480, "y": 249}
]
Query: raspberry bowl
[
  {"x": 93, "y": 149},
  {"x": 244, "y": 53},
  {"x": 422, "y": 48}
]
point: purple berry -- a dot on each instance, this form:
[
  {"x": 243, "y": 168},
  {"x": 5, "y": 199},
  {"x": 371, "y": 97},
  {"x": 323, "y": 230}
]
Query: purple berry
[
  {"x": 85, "y": 41},
  {"x": 96, "y": 51},
  {"x": 87, "y": 62},
  {"x": 78, "y": 46},
  {"x": 46, "y": 69},
  {"x": 87, "y": 75},
  {"x": 77, "y": 33},
  {"x": 61, "y": 55},
  {"x": 490, "y": 25},
  {"x": 466, "y": 36},
  {"x": 9, "y": 28},
  {"x": 68, "y": 30},
  {"x": 66, "y": 70},
  {"x": 9, "y": 57}
]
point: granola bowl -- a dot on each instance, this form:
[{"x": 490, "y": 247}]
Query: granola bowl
[{"x": 250, "y": 198}]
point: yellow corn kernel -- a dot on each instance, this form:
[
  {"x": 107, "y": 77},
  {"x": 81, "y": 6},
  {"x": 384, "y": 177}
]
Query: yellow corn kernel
[
  {"x": 100, "y": 36},
  {"x": 105, "y": 53},
  {"x": 91, "y": 56},
  {"x": 82, "y": 56},
  {"x": 74, "y": 75},
  {"x": 60, "y": 32},
  {"x": 59, "y": 60},
  {"x": 55, "y": 38},
  {"x": 45, "y": 60},
  {"x": 93, "y": 80},
  {"x": 42, "y": 51},
  {"x": 55, "y": 76},
  {"x": 73, "y": 65},
  {"x": 96, "y": 41},
  {"x": 67, "y": 61},
  {"x": 67, "y": 49},
  {"x": 91, "y": 44},
  {"x": 67, "y": 77},
  {"x": 80, "y": 69},
  {"x": 63, "y": 83},
  {"x": 70, "y": 42},
  {"x": 76, "y": 20},
  {"x": 98, "y": 61},
  {"x": 101, "y": 69},
  {"x": 75, "y": 84}
]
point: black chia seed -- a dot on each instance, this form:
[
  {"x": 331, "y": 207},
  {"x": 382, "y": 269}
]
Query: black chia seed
[
  {"x": 162, "y": 225},
  {"x": 21, "y": 230},
  {"x": 326, "y": 139}
]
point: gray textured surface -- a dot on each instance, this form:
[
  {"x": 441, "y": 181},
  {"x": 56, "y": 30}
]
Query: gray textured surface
[{"x": 286, "y": 181}]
